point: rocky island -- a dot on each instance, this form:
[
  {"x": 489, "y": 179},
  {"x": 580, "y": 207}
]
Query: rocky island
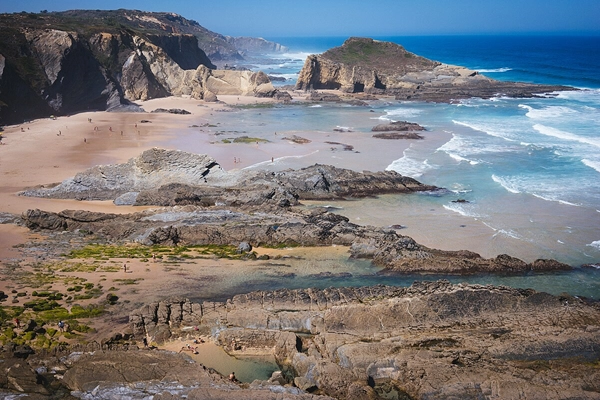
[
  {"x": 105, "y": 262},
  {"x": 375, "y": 67}
]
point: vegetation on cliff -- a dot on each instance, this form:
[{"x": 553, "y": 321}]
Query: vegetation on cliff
[{"x": 373, "y": 54}]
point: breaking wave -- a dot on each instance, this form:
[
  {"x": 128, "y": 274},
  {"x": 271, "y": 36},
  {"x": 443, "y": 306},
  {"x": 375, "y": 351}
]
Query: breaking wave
[
  {"x": 557, "y": 133},
  {"x": 484, "y": 70}
]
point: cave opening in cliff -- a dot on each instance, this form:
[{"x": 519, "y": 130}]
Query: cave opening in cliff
[
  {"x": 379, "y": 84},
  {"x": 359, "y": 87}
]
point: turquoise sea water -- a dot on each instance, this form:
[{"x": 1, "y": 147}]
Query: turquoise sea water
[{"x": 529, "y": 168}]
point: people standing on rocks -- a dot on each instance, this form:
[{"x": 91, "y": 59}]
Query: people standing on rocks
[
  {"x": 17, "y": 323},
  {"x": 145, "y": 341},
  {"x": 232, "y": 377},
  {"x": 61, "y": 326}
]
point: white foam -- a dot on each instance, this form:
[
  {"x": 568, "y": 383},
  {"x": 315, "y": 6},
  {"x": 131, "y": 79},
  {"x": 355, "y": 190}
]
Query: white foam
[
  {"x": 460, "y": 148},
  {"x": 506, "y": 184},
  {"x": 508, "y": 233},
  {"x": 549, "y": 197},
  {"x": 344, "y": 128},
  {"x": 550, "y": 112},
  {"x": 592, "y": 164},
  {"x": 484, "y": 70},
  {"x": 557, "y": 133},
  {"x": 408, "y": 166},
  {"x": 595, "y": 244},
  {"x": 316, "y": 106},
  {"x": 295, "y": 56},
  {"x": 286, "y": 76},
  {"x": 580, "y": 95},
  {"x": 540, "y": 189},
  {"x": 402, "y": 112},
  {"x": 464, "y": 209},
  {"x": 489, "y": 130}
]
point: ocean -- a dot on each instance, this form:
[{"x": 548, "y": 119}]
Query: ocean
[{"x": 529, "y": 169}]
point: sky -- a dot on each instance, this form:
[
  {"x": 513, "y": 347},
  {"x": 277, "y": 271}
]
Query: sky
[{"x": 290, "y": 18}]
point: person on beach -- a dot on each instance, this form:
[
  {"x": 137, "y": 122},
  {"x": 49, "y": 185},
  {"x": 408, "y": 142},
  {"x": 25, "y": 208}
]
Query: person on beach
[
  {"x": 232, "y": 377},
  {"x": 125, "y": 267}
]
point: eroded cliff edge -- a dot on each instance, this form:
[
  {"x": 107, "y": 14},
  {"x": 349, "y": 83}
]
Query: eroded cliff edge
[
  {"x": 62, "y": 63},
  {"x": 376, "y": 67}
]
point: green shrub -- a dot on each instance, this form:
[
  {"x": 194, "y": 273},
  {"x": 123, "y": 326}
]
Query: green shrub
[
  {"x": 9, "y": 333},
  {"x": 29, "y": 335},
  {"x": 41, "y": 305}
]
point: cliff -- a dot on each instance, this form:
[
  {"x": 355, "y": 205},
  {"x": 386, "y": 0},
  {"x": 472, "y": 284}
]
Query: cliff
[
  {"x": 61, "y": 63},
  {"x": 370, "y": 66},
  {"x": 250, "y": 45}
]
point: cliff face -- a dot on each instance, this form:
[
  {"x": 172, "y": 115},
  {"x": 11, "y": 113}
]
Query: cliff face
[
  {"x": 367, "y": 65},
  {"x": 249, "y": 45},
  {"x": 61, "y": 63}
]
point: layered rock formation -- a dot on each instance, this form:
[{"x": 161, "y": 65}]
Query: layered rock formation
[
  {"x": 370, "y": 66},
  {"x": 157, "y": 168},
  {"x": 207, "y": 205},
  {"x": 60, "y": 63},
  {"x": 118, "y": 372},
  {"x": 429, "y": 341}
]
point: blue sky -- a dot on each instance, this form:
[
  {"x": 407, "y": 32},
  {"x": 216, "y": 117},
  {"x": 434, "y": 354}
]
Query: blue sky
[{"x": 280, "y": 18}]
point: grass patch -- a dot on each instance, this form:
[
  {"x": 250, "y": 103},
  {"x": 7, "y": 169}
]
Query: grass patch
[
  {"x": 248, "y": 139},
  {"x": 254, "y": 106},
  {"x": 133, "y": 281},
  {"x": 280, "y": 246},
  {"x": 144, "y": 253}
]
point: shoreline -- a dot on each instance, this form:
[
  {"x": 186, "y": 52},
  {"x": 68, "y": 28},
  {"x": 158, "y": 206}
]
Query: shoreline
[
  {"x": 66, "y": 154},
  {"x": 71, "y": 154}
]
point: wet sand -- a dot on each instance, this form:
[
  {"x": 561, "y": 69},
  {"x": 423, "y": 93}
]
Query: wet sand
[{"x": 47, "y": 151}]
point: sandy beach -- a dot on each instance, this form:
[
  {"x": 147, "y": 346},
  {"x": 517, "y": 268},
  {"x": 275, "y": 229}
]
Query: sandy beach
[{"x": 47, "y": 151}]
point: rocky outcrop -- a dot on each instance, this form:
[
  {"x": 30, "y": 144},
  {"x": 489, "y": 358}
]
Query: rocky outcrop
[
  {"x": 370, "y": 66},
  {"x": 206, "y": 205},
  {"x": 398, "y": 126},
  {"x": 156, "y": 170},
  {"x": 193, "y": 225},
  {"x": 432, "y": 340},
  {"x": 94, "y": 371}
]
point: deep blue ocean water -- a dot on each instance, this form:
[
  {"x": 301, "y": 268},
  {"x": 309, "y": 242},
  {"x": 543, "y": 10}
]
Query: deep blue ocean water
[
  {"x": 561, "y": 60},
  {"x": 529, "y": 168}
]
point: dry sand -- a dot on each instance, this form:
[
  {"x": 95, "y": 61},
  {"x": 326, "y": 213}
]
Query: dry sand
[{"x": 49, "y": 150}]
